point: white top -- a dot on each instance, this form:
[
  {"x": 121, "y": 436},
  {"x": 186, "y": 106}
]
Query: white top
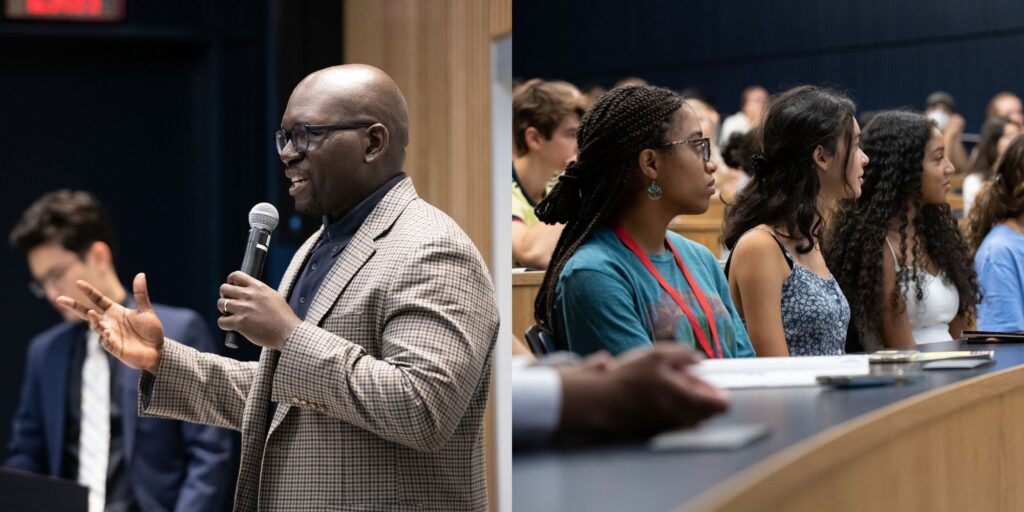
[
  {"x": 736, "y": 123},
  {"x": 930, "y": 318},
  {"x": 972, "y": 184},
  {"x": 536, "y": 400}
]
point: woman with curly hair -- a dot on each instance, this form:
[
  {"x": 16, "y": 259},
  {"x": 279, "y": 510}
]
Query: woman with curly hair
[
  {"x": 618, "y": 278},
  {"x": 996, "y": 232},
  {"x": 897, "y": 250},
  {"x": 808, "y": 157}
]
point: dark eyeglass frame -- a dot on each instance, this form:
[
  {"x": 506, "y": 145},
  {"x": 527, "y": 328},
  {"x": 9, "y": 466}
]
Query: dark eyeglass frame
[
  {"x": 282, "y": 137},
  {"x": 702, "y": 145},
  {"x": 38, "y": 288}
]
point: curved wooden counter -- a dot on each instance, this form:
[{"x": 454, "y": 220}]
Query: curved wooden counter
[
  {"x": 953, "y": 440},
  {"x": 960, "y": 447}
]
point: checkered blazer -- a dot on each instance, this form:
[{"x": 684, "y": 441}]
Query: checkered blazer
[{"x": 380, "y": 392}]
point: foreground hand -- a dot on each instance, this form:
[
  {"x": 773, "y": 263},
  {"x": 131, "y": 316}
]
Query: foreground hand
[
  {"x": 255, "y": 311},
  {"x": 640, "y": 393},
  {"x": 134, "y": 336}
]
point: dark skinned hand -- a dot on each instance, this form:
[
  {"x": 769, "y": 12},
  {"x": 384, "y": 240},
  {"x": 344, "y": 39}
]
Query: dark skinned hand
[
  {"x": 134, "y": 336},
  {"x": 642, "y": 392},
  {"x": 255, "y": 311}
]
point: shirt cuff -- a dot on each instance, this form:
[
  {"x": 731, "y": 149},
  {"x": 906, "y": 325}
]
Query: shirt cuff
[{"x": 536, "y": 402}]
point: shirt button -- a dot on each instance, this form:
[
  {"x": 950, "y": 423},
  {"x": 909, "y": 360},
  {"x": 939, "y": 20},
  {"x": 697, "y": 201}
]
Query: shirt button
[
  {"x": 313, "y": 265},
  {"x": 302, "y": 300},
  {"x": 295, "y": 400}
]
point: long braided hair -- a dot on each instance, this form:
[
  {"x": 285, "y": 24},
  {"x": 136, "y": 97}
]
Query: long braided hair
[
  {"x": 895, "y": 143},
  {"x": 785, "y": 186},
  {"x": 622, "y": 123},
  {"x": 1001, "y": 198}
]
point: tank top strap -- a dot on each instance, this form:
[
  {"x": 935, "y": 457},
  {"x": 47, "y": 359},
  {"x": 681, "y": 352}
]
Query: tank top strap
[
  {"x": 895, "y": 260},
  {"x": 785, "y": 252}
]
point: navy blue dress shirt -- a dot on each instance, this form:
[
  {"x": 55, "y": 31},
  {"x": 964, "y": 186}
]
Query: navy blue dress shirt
[{"x": 331, "y": 244}]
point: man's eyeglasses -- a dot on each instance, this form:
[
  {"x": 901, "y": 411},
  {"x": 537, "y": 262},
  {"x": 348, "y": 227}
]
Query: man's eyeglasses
[
  {"x": 300, "y": 134},
  {"x": 702, "y": 145},
  {"x": 38, "y": 288}
]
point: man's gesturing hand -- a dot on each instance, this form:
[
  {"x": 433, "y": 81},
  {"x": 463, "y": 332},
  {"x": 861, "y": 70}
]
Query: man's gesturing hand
[
  {"x": 255, "y": 311},
  {"x": 134, "y": 336}
]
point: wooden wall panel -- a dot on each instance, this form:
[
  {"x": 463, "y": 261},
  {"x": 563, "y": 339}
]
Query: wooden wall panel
[{"x": 438, "y": 51}]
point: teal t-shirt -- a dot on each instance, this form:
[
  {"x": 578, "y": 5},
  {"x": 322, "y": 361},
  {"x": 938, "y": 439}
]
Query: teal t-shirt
[{"x": 607, "y": 299}]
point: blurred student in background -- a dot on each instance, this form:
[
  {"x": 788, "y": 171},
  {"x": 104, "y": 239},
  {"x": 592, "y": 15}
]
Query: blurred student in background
[
  {"x": 996, "y": 233},
  {"x": 545, "y": 117},
  {"x": 77, "y": 418},
  {"x": 996, "y": 134}
]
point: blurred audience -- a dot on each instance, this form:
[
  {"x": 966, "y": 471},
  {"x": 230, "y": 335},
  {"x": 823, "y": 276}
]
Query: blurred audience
[
  {"x": 996, "y": 233},
  {"x": 996, "y": 134},
  {"x": 753, "y": 103},
  {"x": 545, "y": 117},
  {"x": 1008, "y": 105},
  {"x": 941, "y": 108}
]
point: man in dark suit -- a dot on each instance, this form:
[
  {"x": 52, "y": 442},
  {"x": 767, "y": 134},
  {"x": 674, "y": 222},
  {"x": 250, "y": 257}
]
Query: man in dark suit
[{"x": 77, "y": 416}]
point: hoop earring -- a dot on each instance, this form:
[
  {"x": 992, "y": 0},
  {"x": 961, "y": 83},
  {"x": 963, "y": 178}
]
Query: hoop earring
[{"x": 654, "y": 191}]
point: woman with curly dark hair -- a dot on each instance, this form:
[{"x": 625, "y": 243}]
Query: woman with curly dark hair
[
  {"x": 995, "y": 231},
  {"x": 897, "y": 250},
  {"x": 618, "y": 278},
  {"x": 808, "y": 157}
]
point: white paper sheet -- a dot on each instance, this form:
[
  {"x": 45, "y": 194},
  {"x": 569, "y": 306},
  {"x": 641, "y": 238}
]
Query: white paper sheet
[{"x": 772, "y": 372}]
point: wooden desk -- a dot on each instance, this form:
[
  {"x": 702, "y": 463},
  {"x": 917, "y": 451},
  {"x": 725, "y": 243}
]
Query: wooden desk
[
  {"x": 951, "y": 441},
  {"x": 525, "y": 286},
  {"x": 704, "y": 230}
]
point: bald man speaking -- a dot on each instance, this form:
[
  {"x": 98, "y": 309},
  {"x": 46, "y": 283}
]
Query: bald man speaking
[{"x": 370, "y": 391}]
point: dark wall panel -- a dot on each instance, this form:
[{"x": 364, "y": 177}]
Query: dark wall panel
[{"x": 884, "y": 53}]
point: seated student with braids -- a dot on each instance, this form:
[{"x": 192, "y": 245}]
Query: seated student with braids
[
  {"x": 996, "y": 233},
  {"x": 897, "y": 251},
  {"x": 809, "y": 158},
  {"x": 618, "y": 279}
]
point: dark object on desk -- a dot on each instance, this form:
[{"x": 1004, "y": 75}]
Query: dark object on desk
[
  {"x": 709, "y": 437},
  {"x": 856, "y": 381},
  {"x": 540, "y": 340},
  {"x": 992, "y": 337},
  {"x": 956, "y": 364},
  {"x": 28, "y": 492}
]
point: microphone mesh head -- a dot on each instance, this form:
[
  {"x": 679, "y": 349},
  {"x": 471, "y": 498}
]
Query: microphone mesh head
[{"x": 263, "y": 215}]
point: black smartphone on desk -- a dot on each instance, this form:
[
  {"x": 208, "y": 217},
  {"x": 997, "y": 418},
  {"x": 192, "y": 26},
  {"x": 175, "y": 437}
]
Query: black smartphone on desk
[{"x": 857, "y": 381}]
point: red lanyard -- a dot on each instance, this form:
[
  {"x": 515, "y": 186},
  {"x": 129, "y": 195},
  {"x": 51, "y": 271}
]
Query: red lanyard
[{"x": 629, "y": 242}]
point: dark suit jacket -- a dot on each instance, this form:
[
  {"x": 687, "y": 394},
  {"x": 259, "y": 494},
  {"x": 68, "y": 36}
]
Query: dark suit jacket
[{"x": 171, "y": 465}]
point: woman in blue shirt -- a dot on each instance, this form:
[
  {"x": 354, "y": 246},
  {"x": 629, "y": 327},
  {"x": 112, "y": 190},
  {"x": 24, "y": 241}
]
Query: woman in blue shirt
[
  {"x": 618, "y": 279},
  {"x": 996, "y": 233}
]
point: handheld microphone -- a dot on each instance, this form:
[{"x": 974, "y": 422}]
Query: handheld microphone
[{"x": 262, "y": 220}]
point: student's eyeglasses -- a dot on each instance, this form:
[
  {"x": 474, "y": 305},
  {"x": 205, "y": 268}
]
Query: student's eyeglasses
[
  {"x": 702, "y": 145},
  {"x": 54, "y": 276},
  {"x": 300, "y": 134}
]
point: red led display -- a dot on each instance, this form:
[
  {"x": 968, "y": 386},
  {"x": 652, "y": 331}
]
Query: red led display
[{"x": 71, "y": 10}]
